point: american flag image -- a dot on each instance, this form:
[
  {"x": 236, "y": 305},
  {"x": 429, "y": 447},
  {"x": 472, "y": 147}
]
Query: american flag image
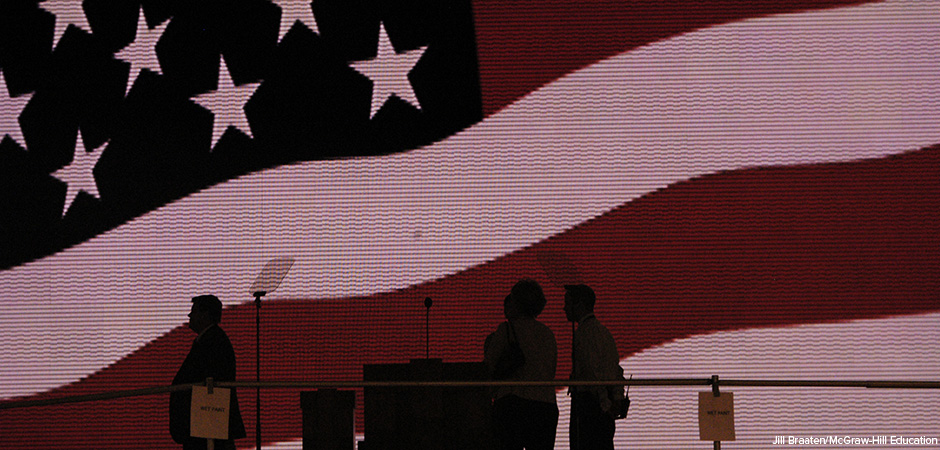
[{"x": 751, "y": 188}]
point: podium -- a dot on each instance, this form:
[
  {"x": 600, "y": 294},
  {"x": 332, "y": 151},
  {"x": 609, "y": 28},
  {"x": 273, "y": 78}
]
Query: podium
[{"x": 427, "y": 418}]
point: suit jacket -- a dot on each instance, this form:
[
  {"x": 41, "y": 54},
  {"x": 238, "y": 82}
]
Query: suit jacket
[{"x": 212, "y": 355}]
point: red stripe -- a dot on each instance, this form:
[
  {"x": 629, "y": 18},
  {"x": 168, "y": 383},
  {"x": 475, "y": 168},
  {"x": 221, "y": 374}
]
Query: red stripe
[
  {"x": 525, "y": 44},
  {"x": 751, "y": 248}
]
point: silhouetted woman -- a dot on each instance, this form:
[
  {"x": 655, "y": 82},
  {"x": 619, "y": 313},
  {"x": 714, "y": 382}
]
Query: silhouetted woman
[{"x": 525, "y": 416}]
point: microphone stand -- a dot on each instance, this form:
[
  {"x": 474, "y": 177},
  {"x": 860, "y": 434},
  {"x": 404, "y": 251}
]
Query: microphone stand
[
  {"x": 258, "y": 295},
  {"x": 572, "y": 392},
  {"x": 427, "y": 328}
]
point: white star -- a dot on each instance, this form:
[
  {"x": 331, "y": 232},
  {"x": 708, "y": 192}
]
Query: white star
[
  {"x": 67, "y": 12},
  {"x": 227, "y": 104},
  {"x": 291, "y": 12},
  {"x": 78, "y": 175},
  {"x": 142, "y": 52},
  {"x": 389, "y": 73},
  {"x": 11, "y": 108}
]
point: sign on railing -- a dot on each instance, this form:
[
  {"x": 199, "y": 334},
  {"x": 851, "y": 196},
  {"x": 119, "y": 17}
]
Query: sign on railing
[{"x": 716, "y": 416}]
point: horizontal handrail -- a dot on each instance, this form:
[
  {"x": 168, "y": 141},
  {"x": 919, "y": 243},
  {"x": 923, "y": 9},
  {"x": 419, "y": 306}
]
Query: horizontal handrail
[
  {"x": 870, "y": 384},
  {"x": 109, "y": 395}
]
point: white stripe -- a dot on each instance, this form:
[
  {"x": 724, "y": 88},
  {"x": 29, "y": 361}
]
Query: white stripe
[{"x": 835, "y": 85}]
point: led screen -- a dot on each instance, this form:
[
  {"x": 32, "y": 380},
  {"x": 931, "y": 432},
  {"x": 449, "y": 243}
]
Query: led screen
[{"x": 751, "y": 188}]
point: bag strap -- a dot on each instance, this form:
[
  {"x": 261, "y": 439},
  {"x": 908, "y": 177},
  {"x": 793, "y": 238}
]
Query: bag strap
[{"x": 512, "y": 333}]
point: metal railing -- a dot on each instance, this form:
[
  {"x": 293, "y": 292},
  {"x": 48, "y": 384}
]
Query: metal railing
[{"x": 713, "y": 382}]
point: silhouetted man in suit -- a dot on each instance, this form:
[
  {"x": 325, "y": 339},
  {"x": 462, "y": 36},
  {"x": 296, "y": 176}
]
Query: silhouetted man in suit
[
  {"x": 594, "y": 358},
  {"x": 212, "y": 355}
]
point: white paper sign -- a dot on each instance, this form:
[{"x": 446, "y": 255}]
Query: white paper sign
[
  {"x": 209, "y": 413},
  {"x": 716, "y": 416}
]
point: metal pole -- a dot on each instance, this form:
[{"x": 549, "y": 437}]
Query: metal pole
[
  {"x": 576, "y": 445},
  {"x": 716, "y": 393},
  {"x": 427, "y": 328},
  {"x": 258, "y": 296},
  {"x": 284, "y": 384},
  {"x": 210, "y": 385}
]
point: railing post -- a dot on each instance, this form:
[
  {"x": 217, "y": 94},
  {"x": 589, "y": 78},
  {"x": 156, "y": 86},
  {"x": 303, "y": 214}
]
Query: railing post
[
  {"x": 716, "y": 393},
  {"x": 210, "y": 387}
]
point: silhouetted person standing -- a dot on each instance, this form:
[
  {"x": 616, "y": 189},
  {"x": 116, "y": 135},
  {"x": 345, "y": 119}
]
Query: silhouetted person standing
[
  {"x": 525, "y": 416},
  {"x": 211, "y": 355},
  {"x": 594, "y": 358}
]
